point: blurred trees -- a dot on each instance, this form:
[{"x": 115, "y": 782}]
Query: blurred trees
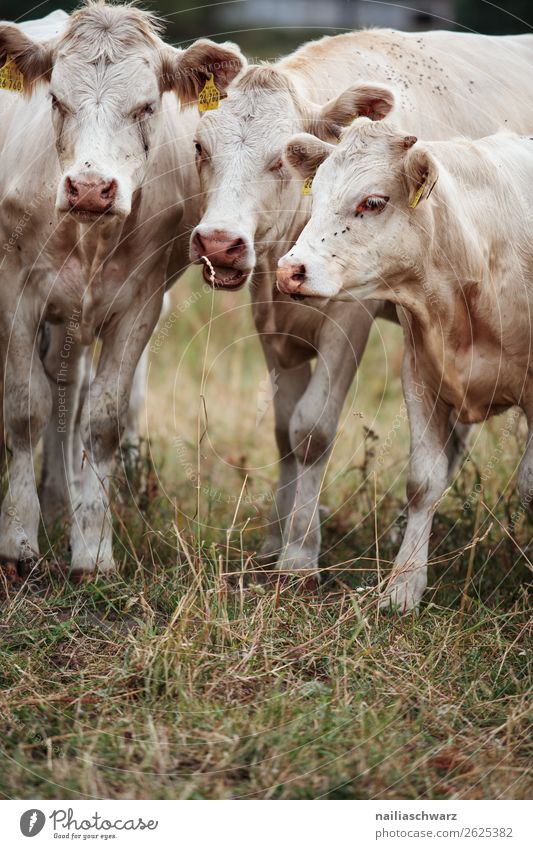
[
  {"x": 19, "y": 10},
  {"x": 512, "y": 17},
  {"x": 189, "y": 19}
]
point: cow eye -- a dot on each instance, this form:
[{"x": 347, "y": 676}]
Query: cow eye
[
  {"x": 276, "y": 166},
  {"x": 198, "y": 148},
  {"x": 56, "y": 103},
  {"x": 372, "y": 203},
  {"x": 143, "y": 111}
]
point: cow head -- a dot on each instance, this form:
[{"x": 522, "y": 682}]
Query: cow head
[
  {"x": 106, "y": 75},
  {"x": 370, "y": 224},
  {"x": 252, "y": 200}
]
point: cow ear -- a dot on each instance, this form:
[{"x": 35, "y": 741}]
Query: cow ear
[
  {"x": 33, "y": 59},
  {"x": 305, "y": 153},
  {"x": 422, "y": 173},
  {"x": 369, "y": 100},
  {"x": 187, "y": 71}
]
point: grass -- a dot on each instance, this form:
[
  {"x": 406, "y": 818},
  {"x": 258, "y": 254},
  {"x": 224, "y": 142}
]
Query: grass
[{"x": 186, "y": 676}]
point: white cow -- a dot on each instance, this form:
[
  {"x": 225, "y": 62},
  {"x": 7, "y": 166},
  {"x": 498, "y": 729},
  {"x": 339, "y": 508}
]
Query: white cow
[
  {"x": 97, "y": 198},
  {"x": 62, "y": 447},
  {"x": 442, "y": 230},
  {"x": 446, "y": 83}
]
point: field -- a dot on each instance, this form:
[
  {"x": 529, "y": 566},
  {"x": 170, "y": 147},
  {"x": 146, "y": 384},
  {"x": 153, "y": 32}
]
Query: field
[{"x": 189, "y": 675}]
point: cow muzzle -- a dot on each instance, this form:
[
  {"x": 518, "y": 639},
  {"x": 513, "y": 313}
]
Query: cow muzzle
[
  {"x": 92, "y": 196},
  {"x": 227, "y": 258},
  {"x": 291, "y": 278}
]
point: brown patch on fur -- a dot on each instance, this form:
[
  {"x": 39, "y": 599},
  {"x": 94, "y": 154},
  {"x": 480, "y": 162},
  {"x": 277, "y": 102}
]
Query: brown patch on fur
[
  {"x": 369, "y": 100},
  {"x": 305, "y": 153},
  {"x": 188, "y": 72},
  {"x": 416, "y": 492},
  {"x": 33, "y": 60}
]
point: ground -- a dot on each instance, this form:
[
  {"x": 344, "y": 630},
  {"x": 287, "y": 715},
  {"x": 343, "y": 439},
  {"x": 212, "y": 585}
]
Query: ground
[{"x": 187, "y": 676}]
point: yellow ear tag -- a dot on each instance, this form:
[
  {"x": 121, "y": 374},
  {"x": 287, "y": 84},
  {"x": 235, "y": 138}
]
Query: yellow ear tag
[
  {"x": 10, "y": 76},
  {"x": 209, "y": 97},
  {"x": 414, "y": 203},
  {"x": 307, "y": 186}
]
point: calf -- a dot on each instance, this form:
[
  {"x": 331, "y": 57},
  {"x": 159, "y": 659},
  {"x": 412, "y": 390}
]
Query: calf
[
  {"x": 443, "y": 231},
  {"x": 445, "y": 82},
  {"x": 97, "y": 202}
]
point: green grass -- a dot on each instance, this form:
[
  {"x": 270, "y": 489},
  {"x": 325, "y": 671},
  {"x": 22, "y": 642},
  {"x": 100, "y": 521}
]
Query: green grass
[{"x": 190, "y": 676}]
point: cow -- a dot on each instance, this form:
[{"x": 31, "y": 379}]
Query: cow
[
  {"x": 441, "y": 82},
  {"x": 443, "y": 231},
  {"x": 62, "y": 446},
  {"x": 98, "y": 197}
]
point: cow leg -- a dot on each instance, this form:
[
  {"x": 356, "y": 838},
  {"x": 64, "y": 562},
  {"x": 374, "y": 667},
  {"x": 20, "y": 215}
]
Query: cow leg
[
  {"x": 77, "y": 451},
  {"x": 313, "y": 428},
  {"x": 130, "y": 437},
  {"x": 27, "y": 408},
  {"x": 63, "y": 363},
  {"x": 290, "y": 384},
  {"x": 456, "y": 444},
  {"x": 430, "y": 426},
  {"x": 102, "y": 420},
  {"x": 525, "y": 470}
]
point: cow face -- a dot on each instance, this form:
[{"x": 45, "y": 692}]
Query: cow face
[
  {"x": 252, "y": 200},
  {"x": 369, "y": 224},
  {"x": 106, "y": 76}
]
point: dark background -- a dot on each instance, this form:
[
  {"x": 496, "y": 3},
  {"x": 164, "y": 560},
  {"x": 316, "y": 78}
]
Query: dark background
[{"x": 268, "y": 28}]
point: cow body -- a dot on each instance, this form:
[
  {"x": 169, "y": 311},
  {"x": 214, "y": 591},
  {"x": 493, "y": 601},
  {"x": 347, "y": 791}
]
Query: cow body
[
  {"x": 97, "y": 200},
  {"x": 446, "y": 83},
  {"x": 443, "y": 231}
]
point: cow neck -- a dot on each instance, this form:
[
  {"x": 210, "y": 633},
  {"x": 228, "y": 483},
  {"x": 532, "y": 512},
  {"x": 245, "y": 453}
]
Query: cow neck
[{"x": 97, "y": 246}]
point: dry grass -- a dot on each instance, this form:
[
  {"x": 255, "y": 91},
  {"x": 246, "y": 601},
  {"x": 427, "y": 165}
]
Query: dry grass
[{"x": 187, "y": 677}]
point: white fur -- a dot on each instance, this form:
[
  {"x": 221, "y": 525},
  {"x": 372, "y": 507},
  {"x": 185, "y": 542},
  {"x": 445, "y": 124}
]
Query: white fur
[
  {"x": 267, "y": 211},
  {"x": 459, "y": 268},
  {"x": 107, "y": 277}
]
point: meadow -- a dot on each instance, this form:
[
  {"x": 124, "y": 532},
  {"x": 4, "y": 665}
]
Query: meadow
[{"x": 191, "y": 674}]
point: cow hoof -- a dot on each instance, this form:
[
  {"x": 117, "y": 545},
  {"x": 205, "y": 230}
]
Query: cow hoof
[
  {"x": 9, "y": 574},
  {"x": 268, "y": 555},
  {"x": 28, "y": 567},
  {"x": 301, "y": 581},
  {"x": 86, "y": 576},
  {"x": 400, "y": 598},
  {"x": 78, "y": 576},
  {"x": 88, "y": 570},
  {"x": 296, "y": 562}
]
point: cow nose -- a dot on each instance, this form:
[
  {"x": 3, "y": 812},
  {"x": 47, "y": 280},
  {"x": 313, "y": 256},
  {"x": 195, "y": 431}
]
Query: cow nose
[
  {"x": 219, "y": 247},
  {"x": 96, "y": 195},
  {"x": 290, "y": 277}
]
